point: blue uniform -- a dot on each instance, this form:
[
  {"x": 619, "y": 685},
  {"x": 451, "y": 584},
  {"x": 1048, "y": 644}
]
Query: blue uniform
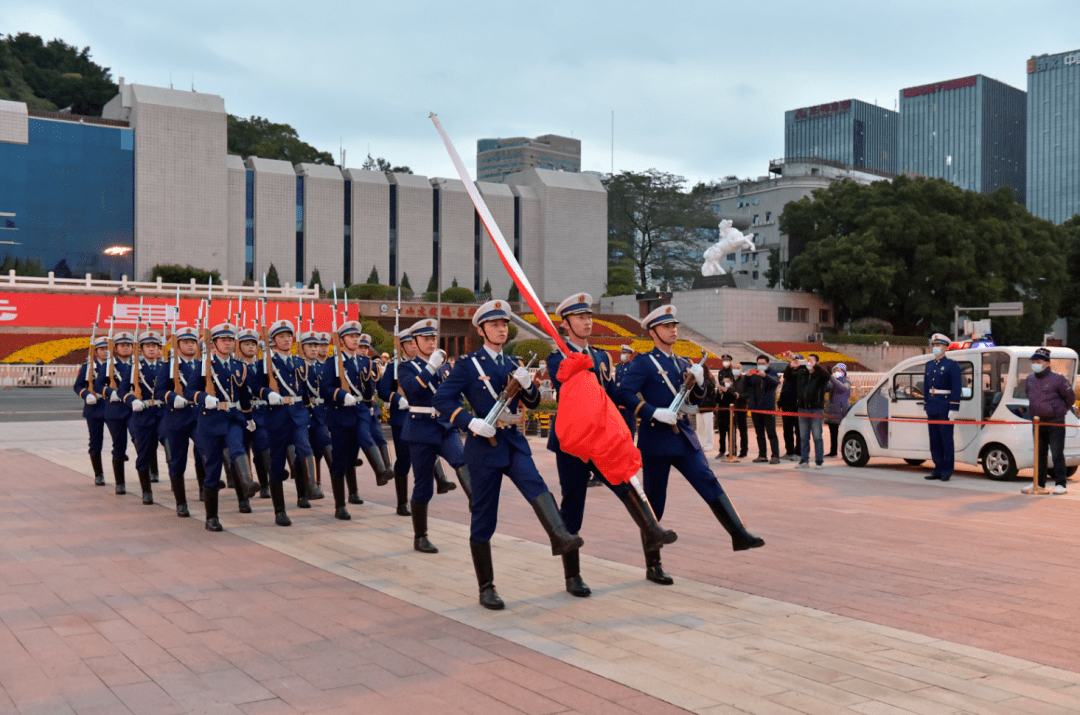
[
  {"x": 259, "y": 440},
  {"x": 944, "y": 376},
  {"x": 427, "y": 435},
  {"x": 627, "y": 413},
  {"x": 398, "y": 417},
  {"x": 93, "y": 414},
  {"x": 369, "y": 388},
  {"x": 349, "y": 426},
  {"x": 177, "y": 425},
  {"x": 287, "y": 423},
  {"x": 117, "y": 413},
  {"x": 318, "y": 431},
  {"x": 657, "y": 377},
  {"x": 573, "y": 473},
  {"x": 144, "y": 426},
  {"x": 220, "y": 430},
  {"x": 510, "y": 455}
]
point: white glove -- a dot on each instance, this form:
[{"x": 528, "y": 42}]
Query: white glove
[
  {"x": 436, "y": 361},
  {"x": 666, "y": 416},
  {"x": 349, "y": 400},
  {"x": 138, "y": 405},
  {"x": 523, "y": 377},
  {"x": 954, "y": 414},
  {"x": 273, "y": 398},
  {"x": 114, "y": 397},
  {"x": 251, "y": 426},
  {"x": 179, "y": 403},
  {"x": 480, "y": 428},
  {"x": 698, "y": 373},
  {"x": 91, "y": 399},
  {"x": 402, "y": 403},
  {"x": 210, "y": 403}
]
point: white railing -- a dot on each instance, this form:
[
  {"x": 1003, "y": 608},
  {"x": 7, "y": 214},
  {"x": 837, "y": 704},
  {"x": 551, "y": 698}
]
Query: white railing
[
  {"x": 50, "y": 282},
  {"x": 37, "y": 375}
]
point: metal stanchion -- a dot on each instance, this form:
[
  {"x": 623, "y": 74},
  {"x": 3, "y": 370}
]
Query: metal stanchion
[
  {"x": 731, "y": 435},
  {"x": 1035, "y": 488}
]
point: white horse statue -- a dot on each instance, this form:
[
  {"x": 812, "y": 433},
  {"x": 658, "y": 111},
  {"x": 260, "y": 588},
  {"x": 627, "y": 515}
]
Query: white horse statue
[{"x": 731, "y": 240}]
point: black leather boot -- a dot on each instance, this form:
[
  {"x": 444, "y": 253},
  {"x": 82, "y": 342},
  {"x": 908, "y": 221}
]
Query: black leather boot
[
  {"x": 99, "y": 472},
  {"x": 401, "y": 486},
  {"x": 230, "y": 482},
  {"x": 653, "y": 536},
  {"x": 315, "y": 491},
  {"x": 485, "y": 576},
  {"x": 244, "y": 483},
  {"x": 154, "y": 467},
  {"x": 212, "y": 523},
  {"x": 383, "y": 475},
  {"x": 242, "y": 503},
  {"x": 338, "y": 487},
  {"x": 571, "y": 563},
  {"x": 262, "y": 469},
  {"x": 741, "y": 539},
  {"x": 305, "y": 474},
  {"x": 350, "y": 483},
  {"x": 180, "y": 493},
  {"x": 277, "y": 494},
  {"x": 466, "y": 483},
  {"x": 200, "y": 474},
  {"x": 144, "y": 483},
  {"x": 653, "y": 570},
  {"x": 442, "y": 484},
  {"x": 562, "y": 541},
  {"x": 118, "y": 475},
  {"x": 419, "y": 524}
]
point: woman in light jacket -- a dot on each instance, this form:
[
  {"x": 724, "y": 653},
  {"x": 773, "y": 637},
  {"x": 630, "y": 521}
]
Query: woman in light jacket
[{"x": 838, "y": 404}]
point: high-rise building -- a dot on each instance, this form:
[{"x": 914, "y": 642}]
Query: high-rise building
[
  {"x": 849, "y": 132},
  {"x": 1053, "y": 136},
  {"x": 969, "y": 131},
  {"x": 498, "y": 158}
]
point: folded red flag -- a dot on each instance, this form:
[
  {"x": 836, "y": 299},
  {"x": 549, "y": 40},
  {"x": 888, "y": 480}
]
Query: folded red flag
[{"x": 589, "y": 425}]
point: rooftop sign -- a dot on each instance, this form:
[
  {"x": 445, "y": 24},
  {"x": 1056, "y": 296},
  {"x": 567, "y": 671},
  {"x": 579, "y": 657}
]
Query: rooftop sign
[{"x": 940, "y": 87}]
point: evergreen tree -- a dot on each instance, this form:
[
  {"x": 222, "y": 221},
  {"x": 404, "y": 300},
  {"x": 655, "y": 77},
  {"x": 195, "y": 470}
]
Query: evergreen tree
[
  {"x": 514, "y": 296},
  {"x": 316, "y": 279},
  {"x": 487, "y": 287},
  {"x": 272, "y": 280},
  {"x": 405, "y": 283},
  {"x": 433, "y": 284},
  {"x": 373, "y": 277},
  {"x": 454, "y": 284}
]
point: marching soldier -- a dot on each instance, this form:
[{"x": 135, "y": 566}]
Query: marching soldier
[
  {"x": 146, "y": 410},
  {"x": 494, "y": 450},
  {"x": 318, "y": 434},
  {"x": 427, "y": 434},
  {"x": 257, "y": 442},
  {"x": 574, "y": 474},
  {"x": 376, "y": 440},
  {"x": 180, "y": 416},
  {"x": 117, "y": 412},
  {"x": 626, "y": 356},
  {"x": 942, "y": 386},
  {"x": 666, "y": 439},
  {"x": 220, "y": 430},
  {"x": 287, "y": 420},
  {"x": 93, "y": 397}
]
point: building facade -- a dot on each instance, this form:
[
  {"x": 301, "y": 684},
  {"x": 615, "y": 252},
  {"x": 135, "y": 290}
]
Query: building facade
[
  {"x": 1053, "y": 136},
  {"x": 849, "y": 132},
  {"x": 496, "y": 159},
  {"x": 969, "y": 131},
  {"x": 153, "y": 178}
]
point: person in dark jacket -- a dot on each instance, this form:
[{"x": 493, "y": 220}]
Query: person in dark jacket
[
  {"x": 1050, "y": 398},
  {"x": 761, "y": 384},
  {"x": 725, "y": 401},
  {"x": 811, "y": 395},
  {"x": 839, "y": 403},
  {"x": 732, "y": 372},
  {"x": 789, "y": 402}
]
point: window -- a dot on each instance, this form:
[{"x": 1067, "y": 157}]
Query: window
[
  {"x": 730, "y": 258},
  {"x": 1062, "y": 366},
  {"x": 476, "y": 252},
  {"x": 793, "y": 315},
  {"x": 755, "y": 275},
  {"x": 757, "y": 219},
  {"x": 299, "y": 231},
  {"x": 908, "y": 385},
  {"x": 435, "y": 233},
  {"x": 768, "y": 216},
  {"x": 249, "y": 226},
  {"x": 347, "y": 265},
  {"x": 517, "y": 228},
  {"x": 393, "y": 234},
  {"x": 823, "y": 316},
  {"x": 745, "y": 257},
  {"x": 757, "y": 200}
]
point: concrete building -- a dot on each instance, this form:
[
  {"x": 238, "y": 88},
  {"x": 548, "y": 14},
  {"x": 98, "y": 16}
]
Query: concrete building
[
  {"x": 496, "y": 159},
  {"x": 970, "y": 131},
  {"x": 1053, "y": 136},
  {"x": 153, "y": 181},
  {"x": 849, "y": 132}
]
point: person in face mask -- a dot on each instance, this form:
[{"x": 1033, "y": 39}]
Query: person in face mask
[
  {"x": 1050, "y": 397},
  {"x": 626, "y": 356},
  {"x": 730, "y": 379},
  {"x": 789, "y": 402},
  {"x": 941, "y": 388},
  {"x": 838, "y": 404}
]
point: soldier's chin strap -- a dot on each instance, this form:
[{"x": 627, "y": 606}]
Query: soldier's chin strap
[{"x": 656, "y": 336}]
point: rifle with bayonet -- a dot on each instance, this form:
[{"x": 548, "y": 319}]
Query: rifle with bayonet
[
  {"x": 91, "y": 360},
  {"x": 339, "y": 360},
  {"x": 136, "y": 373},
  {"x": 513, "y": 387},
  {"x": 268, "y": 360},
  {"x": 684, "y": 392},
  {"x": 174, "y": 354},
  {"x": 397, "y": 341},
  {"x": 110, "y": 373},
  {"x": 208, "y": 370}
]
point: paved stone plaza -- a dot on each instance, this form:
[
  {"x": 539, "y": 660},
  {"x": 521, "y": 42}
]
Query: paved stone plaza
[{"x": 877, "y": 592}]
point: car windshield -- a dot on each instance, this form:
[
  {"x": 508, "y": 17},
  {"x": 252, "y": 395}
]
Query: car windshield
[{"x": 1062, "y": 366}]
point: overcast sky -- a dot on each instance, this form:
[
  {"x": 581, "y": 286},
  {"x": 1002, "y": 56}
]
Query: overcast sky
[{"x": 697, "y": 88}]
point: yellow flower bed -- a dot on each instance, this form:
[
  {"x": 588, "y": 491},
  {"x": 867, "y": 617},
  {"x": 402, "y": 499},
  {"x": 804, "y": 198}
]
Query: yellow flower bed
[
  {"x": 48, "y": 351},
  {"x": 826, "y": 356}
]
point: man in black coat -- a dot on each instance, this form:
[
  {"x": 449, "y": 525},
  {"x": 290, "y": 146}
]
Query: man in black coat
[
  {"x": 812, "y": 383},
  {"x": 789, "y": 402}
]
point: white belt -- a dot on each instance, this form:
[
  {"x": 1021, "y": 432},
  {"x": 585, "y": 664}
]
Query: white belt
[
  {"x": 315, "y": 401},
  {"x": 151, "y": 403},
  {"x": 935, "y": 391},
  {"x": 259, "y": 403},
  {"x": 227, "y": 406},
  {"x": 423, "y": 410},
  {"x": 288, "y": 400}
]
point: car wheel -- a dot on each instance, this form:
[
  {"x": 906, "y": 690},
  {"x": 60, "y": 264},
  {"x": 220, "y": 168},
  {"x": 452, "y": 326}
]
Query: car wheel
[
  {"x": 914, "y": 462},
  {"x": 998, "y": 463},
  {"x": 854, "y": 450}
]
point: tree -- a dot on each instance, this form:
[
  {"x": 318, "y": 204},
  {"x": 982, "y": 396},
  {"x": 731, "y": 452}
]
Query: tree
[
  {"x": 261, "y": 137},
  {"x": 316, "y": 279},
  {"x": 453, "y": 283},
  {"x": 457, "y": 294},
  {"x": 1070, "y": 297},
  {"x": 373, "y": 277},
  {"x": 381, "y": 340},
  {"x": 183, "y": 274},
  {"x": 487, "y": 288},
  {"x": 383, "y": 165},
  {"x": 432, "y": 292},
  {"x": 405, "y": 283},
  {"x": 657, "y": 227},
  {"x": 514, "y": 296},
  {"x": 621, "y": 279},
  {"x": 540, "y": 347},
  {"x": 909, "y": 250},
  {"x": 272, "y": 280},
  {"x": 53, "y": 76}
]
